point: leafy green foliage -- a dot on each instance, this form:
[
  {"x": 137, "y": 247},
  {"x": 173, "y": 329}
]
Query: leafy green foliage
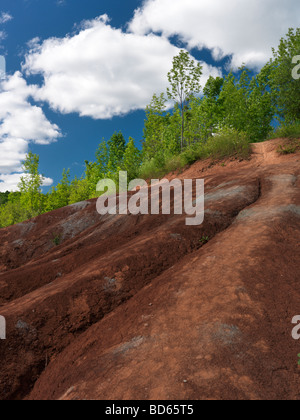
[
  {"x": 31, "y": 199},
  {"x": 204, "y": 240},
  {"x": 131, "y": 160},
  {"x": 184, "y": 79},
  {"x": 246, "y": 104},
  {"x": 155, "y": 126},
  {"x": 56, "y": 240},
  {"x": 11, "y": 212},
  {"x": 207, "y": 112},
  {"x": 290, "y": 131},
  {"x": 4, "y": 198},
  {"x": 287, "y": 149},
  {"x": 79, "y": 190},
  {"x": 117, "y": 147},
  {"x": 59, "y": 196},
  {"x": 227, "y": 143},
  {"x": 220, "y": 123},
  {"x": 285, "y": 89}
]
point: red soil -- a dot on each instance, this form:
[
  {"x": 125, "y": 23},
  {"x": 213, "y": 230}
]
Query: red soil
[{"x": 137, "y": 307}]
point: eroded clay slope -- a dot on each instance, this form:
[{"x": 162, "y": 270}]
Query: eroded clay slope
[{"x": 137, "y": 307}]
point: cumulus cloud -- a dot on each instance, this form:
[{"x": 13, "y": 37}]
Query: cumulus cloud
[
  {"x": 21, "y": 123},
  {"x": 19, "y": 118},
  {"x": 10, "y": 182},
  {"x": 245, "y": 29},
  {"x": 102, "y": 71}
]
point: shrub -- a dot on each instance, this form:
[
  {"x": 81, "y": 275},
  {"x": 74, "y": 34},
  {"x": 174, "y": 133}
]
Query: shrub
[
  {"x": 56, "y": 240},
  {"x": 173, "y": 163},
  {"x": 292, "y": 147},
  {"x": 151, "y": 170},
  {"x": 192, "y": 154},
  {"x": 228, "y": 143},
  {"x": 291, "y": 131}
]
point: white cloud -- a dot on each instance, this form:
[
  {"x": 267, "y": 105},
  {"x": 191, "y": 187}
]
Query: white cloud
[
  {"x": 101, "y": 71},
  {"x": 246, "y": 29},
  {"x": 12, "y": 153},
  {"x": 10, "y": 182},
  {"x": 21, "y": 123},
  {"x": 19, "y": 118},
  {"x": 5, "y": 17}
]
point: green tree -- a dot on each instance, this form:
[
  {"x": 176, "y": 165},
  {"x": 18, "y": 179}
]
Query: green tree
[
  {"x": 234, "y": 104},
  {"x": 78, "y": 190},
  {"x": 12, "y": 212},
  {"x": 155, "y": 126},
  {"x": 63, "y": 189},
  {"x": 30, "y": 186},
  {"x": 172, "y": 132},
  {"x": 184, "y": 79},
  {"x": 59, "y": 197},
  {"x": 260, "y": 111},
  {"x": 246, "y": 104},
  {"x": 285, "y": 89},
  {"x": 102, "y": 158},
  {"x": 91, "y": 178},
  {"x": 117, "y": 147},
  {"x": 132, "y": 160},
  {"x": 4, "y": 198},
  {"x": 206, "y": 113}
]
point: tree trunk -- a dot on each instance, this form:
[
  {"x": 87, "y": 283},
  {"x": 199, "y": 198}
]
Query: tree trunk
[{"x": 182, "y": 128}]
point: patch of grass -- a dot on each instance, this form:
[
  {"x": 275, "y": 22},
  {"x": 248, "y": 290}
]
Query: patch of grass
[
  {"x": 286, "y": 150},
  {"x": 204, "y": 240},
  {"x": 173, "y": 164},
  {"x": 56, "y": 240},
  {"x": 192, "y": 154},
  {"x": 228, "y": 143},
  {"x": 290, "y": 148},
  {"x": 151, "y": 170},
  {"x": 290, "y": 131}
]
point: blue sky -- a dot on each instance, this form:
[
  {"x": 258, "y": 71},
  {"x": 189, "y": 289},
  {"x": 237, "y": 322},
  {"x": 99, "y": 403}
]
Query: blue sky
[{"x": 76, "y": 71}]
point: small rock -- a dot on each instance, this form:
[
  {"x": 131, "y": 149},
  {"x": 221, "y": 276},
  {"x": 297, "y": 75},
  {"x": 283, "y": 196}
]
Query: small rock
[
  {"x": 176, "y": 236},
  {"x": 21, "y": 325}
]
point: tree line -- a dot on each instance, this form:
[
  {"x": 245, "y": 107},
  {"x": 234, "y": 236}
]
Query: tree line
[{"x": 184, "y": 124}]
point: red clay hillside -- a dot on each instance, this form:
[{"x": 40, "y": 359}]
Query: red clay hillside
[{"x": 141, "y": 307}]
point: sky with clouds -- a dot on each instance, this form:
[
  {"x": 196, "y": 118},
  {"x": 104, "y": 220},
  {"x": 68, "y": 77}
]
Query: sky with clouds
[{"x": 78, "y": 71}]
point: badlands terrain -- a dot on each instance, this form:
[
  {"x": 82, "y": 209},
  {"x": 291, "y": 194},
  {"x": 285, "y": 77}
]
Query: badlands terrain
[{"x": 144, "y": 307}]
